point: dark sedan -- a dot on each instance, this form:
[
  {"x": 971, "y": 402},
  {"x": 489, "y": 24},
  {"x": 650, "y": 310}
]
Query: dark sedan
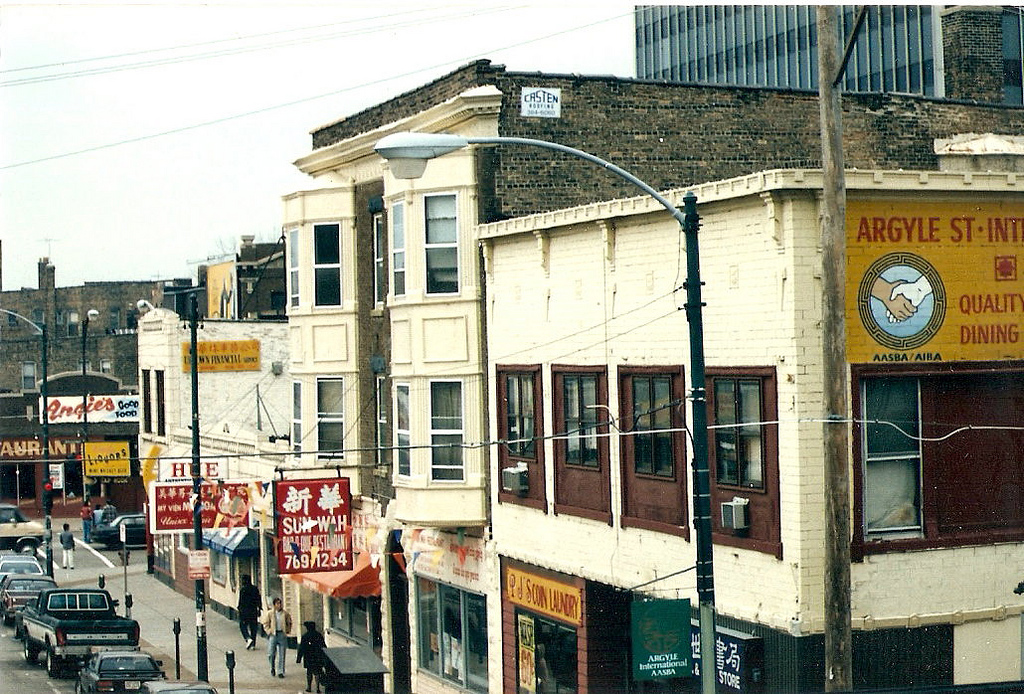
[
  {"x": 109, "y": 534},
  {"x": 117, "y": 671},
  {"x": 16, "y": 590}
]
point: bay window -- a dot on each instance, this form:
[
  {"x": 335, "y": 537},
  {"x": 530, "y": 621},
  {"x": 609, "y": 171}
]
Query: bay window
[
  {"x": 398, "y": 249},
  {"x": 402, "y": 428},
  {"x": 446, "y": 433},
  {"x": 327, "y": 264},
  {"x": 441, "y": 244},
  {"x": 330, "y": 417},
  {"x": 293, "y": 266}
]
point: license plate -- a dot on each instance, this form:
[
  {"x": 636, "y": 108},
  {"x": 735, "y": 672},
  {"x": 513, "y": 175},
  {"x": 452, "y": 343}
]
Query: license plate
[{"x": 132, "y": 684}]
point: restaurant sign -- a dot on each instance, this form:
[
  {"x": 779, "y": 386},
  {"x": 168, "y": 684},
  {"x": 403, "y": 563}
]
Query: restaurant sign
[
  {"x": 225, "y": 505},
  {"x": 67, "y": 409},
  {"x": 314, "y": 525}
]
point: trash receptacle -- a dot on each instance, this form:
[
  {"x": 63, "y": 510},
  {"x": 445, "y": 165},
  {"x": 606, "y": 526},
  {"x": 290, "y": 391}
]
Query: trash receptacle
[{"x": 353, "y": 670}]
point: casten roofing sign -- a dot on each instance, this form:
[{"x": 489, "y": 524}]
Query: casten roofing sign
[
  {"x": 314, "y": 525},
  {"x": 934, "y": 281},
  {"x": 540, "y": 102}
]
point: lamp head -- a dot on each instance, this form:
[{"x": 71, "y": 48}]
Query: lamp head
[
  {"x": 144, "y": 305},
  {"x": 408, "y": 153},
  {"x": 92, "y": 313}
]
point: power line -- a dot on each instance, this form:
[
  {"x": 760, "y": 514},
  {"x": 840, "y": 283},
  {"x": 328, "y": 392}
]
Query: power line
[{"x": 296, "y": 102}]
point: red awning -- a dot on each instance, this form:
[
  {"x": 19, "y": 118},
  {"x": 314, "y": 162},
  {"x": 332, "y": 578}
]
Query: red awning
[{"x": 363, "y": 581}]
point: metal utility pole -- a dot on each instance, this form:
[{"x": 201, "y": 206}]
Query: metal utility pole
[
  {"x": 44, "y": 392},
  {"x": 202, "y": 661},
  {"x": 838, "y": 636}
]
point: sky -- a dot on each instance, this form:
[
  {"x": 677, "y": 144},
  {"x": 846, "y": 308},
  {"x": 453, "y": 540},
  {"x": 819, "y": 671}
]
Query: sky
[{"x": 140, "y": 140}]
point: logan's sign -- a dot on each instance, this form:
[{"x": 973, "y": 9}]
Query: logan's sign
[{"x": 544, "y": 595}]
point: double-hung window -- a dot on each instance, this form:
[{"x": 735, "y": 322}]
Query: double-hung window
[
  {"x": 739, "y": 446},
  {"x": 579, "y": 417},
  {"x": 452, "y": 633},
  {"x": 161, "y": 404},
  {"x": 441, "y": 247},
  {"x": 380, "y": 282},
  {"x": 520, "y": 415},
  {"x": 147, "y": 403},
  {"x": 402, "y": 429},
  {"x": 381, "y": 437},
  {"x": 652, "y": 404},
  {"x": 582, "y": 461},
  {"x": 520, "y": 427},
  {"x": 892, "y": 460},
  {"x": 293, "y": 267},
  {"x": 28, "y": 375},
  {"x": 296, "y": 417},
  {"x": 330, "y": 417},
  {"x": 327, "y": 264},
  {"x": 398, "y": 249},
  {"x": 446, "y": 433}
]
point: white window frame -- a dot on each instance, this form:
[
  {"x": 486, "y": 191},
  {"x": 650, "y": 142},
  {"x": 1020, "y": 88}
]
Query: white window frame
[
  {"x": 380, "y": 284},
  {"x": 428, "y": 247},
  {"x": 106, "y": 366},
  {"x": 328, "y": 267},
  {"x": 297, "y": 417},
  {"x": 330, "y": 416},
  {"x": 28, "y": 375},
  {"x": 440, "y": 436},
  {"x": 293, "y": 267},
  {"x": 403, "y": 462},
  {"x": 398, "y": 257},
  {"x": 380, "y": 437}
]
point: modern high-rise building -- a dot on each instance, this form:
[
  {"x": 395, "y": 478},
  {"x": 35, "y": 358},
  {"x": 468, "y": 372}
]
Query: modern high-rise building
[{"x": 956, "y": 52}]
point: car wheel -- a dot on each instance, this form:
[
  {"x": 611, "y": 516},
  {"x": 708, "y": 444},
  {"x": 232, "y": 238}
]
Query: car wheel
[
  {"x": 30, "y": 652},
  {"x": 53, "y": 664}
]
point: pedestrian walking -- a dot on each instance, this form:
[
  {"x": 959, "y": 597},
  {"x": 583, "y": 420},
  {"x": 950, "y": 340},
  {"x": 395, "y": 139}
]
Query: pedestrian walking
[
  {"x": 67, "y": 543},
  {"x": 249, "y": 601},
  {"x": 97, "y": 515},
  {"x": 311, "y": 654},
  {"x": 86, "y": 515},
  {"x": 278, "y": 625}
]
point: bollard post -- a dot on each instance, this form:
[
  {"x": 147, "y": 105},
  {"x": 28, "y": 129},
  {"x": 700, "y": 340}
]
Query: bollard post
[
  {"x": 177, "y": 648},
  {"x": 229, "y": 660},
  {"x": 101, "y": 581}
]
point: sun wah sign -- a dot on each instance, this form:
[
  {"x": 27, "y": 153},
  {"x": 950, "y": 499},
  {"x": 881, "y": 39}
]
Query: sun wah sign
[{"x": 314, "y": 525}]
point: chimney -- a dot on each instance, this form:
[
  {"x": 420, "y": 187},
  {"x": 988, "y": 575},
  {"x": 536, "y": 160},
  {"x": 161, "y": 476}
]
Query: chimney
[
  {"x": 47, "y": 274},
  {"x": 247, "y": 240}
]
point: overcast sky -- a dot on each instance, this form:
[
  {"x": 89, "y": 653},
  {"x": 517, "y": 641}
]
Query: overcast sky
[{"x": 138, "y": 140}]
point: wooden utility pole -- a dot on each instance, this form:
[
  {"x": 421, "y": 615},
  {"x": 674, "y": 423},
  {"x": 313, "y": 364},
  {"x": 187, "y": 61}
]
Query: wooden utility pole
[{"x": 838, "y": 637}]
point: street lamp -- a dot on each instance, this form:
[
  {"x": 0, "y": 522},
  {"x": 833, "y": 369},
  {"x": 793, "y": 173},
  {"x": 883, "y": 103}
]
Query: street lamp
[
  {"x": 89, "y": 315},
  {"x": 43, "y": 393},
  {"x": 407, "y": 154}
]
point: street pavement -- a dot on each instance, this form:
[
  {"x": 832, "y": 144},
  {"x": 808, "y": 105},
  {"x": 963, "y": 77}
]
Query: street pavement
[{"x": 156, "y": 606}]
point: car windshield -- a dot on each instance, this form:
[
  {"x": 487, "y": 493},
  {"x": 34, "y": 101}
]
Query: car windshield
[
  {"x": 20, "y": 567},
  {"x": 29, "y": 584},
  {"x": 130, "y": 662},
  {"x": 11, "y": 515}
]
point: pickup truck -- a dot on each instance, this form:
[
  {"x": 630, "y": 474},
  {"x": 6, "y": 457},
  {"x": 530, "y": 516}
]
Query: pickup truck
[{"x": 67, "y": 624}]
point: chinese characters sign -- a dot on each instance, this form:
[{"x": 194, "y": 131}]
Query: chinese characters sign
[
  {"x": 314, "y": 525},
  {"x": 225, "y": 505},
  {"x": 739, "y": 659},
  {"x": 660, "y": 638},
  {"x": 222, "y": 355},
  {"x": 935, "y": 281}
]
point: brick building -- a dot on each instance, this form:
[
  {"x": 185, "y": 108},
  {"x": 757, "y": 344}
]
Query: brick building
[{"x": 435, "y": 300}]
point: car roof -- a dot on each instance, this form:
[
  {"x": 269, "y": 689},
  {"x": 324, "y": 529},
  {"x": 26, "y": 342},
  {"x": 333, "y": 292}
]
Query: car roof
[{"x": 177, "y": 686}]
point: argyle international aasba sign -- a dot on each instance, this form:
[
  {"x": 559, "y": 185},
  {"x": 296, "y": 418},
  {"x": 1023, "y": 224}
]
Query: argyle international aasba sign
[
  {"x": 222, "y": 355},
  {"x": 314, "y": 525},
  {"x": 934, "y": 281}
]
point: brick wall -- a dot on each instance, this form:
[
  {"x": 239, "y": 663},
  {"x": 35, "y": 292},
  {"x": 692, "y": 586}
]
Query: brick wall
[
  {"x": 677, "y": 135},
  {"x": 972, "y": 41}
]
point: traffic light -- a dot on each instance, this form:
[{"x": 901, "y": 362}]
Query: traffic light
[{"x": 47, "y": 496}]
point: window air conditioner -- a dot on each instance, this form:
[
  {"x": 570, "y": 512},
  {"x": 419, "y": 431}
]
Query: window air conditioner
[
  {"x": 735, "y": 515},
  {"x": 515, "y": 479}
]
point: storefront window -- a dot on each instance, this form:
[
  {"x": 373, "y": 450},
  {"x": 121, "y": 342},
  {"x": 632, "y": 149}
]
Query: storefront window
[
  {"x": 349, "y": 617},
  {"x": 452, "y": 633},
  {"x": 218, "y": 567},
  {"x": 546, "y": 656}
]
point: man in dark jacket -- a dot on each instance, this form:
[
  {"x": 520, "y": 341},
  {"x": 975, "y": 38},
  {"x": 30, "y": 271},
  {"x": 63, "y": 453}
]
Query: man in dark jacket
[
  {"x": 249, "y": 604},
  {"x": 311, "y": 651}
]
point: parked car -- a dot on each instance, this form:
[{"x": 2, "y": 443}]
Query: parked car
[
  {"x": 176, "y": 687},
  {"x": 17, "y": 532},
  {"x": 19, "y": 564},
  {"x": 67, "y": 624},
  {"x": 17, "y": 590},
  {"x": 117, "y": 671},
  {"x": 109, "y": 534}
]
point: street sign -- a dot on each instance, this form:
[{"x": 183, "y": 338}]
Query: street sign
[
  {"x": 57, "y": 475},
  {"x": 198, "y": 564}
]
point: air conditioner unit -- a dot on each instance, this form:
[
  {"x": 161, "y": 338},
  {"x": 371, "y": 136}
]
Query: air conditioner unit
[
  {"x": 515, "y": 480},
  {"x": 735, "y": 515}
]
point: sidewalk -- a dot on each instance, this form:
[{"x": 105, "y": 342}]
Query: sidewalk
[{"x": 156, "y": 607}]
